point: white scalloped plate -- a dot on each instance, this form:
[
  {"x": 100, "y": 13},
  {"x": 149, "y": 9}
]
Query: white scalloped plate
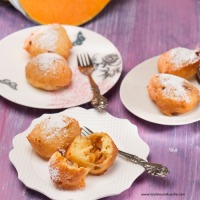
[
  {"x": 33, "y": 171},
  {"x": 134, "y": 96},
  {"x": 14, "y": 86}
]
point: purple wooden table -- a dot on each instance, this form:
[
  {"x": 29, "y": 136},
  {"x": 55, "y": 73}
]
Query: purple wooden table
[{"x": 140, "y": 30}]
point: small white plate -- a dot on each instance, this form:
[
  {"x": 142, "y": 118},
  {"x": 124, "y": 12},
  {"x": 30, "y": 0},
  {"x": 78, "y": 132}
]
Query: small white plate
[
  {"x": 14, "y": 86},
  {"x": 33, "y": 171},
  {"x": 134, "y": 96}
]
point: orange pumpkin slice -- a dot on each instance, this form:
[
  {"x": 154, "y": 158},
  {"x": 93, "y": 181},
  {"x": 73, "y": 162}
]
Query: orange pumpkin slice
[{"x": 71, "y": 12}]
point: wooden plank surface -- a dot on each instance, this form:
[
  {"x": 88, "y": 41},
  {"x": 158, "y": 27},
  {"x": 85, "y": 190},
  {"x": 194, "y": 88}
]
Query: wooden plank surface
[{"x": 140, "y": 29}]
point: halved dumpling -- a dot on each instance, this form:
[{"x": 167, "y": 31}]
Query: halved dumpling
[
  {"x": 97, "y": 152},
  {"x": 66, "y": 175}
]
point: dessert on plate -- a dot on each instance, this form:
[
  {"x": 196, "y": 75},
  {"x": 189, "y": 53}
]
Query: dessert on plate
[
  {"x": 180, "y": 61},
  {"x": 51, "y": 38},
  {"x": 55, "y": 132},
  {"x": 48, "y": 71},
  {"x": 66, "y": 175},
  {"x": 172, "y": 94},
  {"x": 71, "y": 157},
  {"x": 96, "y": 151}
]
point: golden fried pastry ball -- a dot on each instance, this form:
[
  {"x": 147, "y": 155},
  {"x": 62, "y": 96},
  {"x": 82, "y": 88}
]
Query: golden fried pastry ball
[
  {"x": 51, "y": 38},
  {"x": 66, "y": 175},
  {"x": 48, "y": 71},
  {"x": 55, "y": 132},
  {"x": 179, "y": 61},
  {"x": 172, "y": 94},
  {"x": 97, "y": 152}
]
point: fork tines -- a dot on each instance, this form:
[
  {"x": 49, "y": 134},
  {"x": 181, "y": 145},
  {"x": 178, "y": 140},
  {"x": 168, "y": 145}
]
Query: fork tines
[
  {"x": 86, "y": 131},
  {"x": 84, "y": 60}
]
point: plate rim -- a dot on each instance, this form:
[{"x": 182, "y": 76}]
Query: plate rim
[
  {"x": 13, "y": 159},
  {"x": 122, "y": 85}
]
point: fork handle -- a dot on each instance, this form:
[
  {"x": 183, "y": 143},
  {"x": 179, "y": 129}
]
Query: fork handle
[
  {"x": 94, "y": 86},
  {"x": 98, "y": 101},
  {"x": 151, "y": 168}
]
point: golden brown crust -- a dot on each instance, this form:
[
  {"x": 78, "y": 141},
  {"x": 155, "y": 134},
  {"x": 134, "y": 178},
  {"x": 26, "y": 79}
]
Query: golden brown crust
[
  {"x": 66, "y": 175},
  {"x": 97, "y": 152},
  {"x": 55, "y": 132},
  {"x": 180, "y": 62},
  {"x": 51, "y": 38},
  {"x": 172, "y": 94},
  {"x": 48, "y": 71}
]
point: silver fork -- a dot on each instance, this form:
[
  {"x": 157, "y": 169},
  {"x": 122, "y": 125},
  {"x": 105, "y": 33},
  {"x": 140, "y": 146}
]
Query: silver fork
[
  {"x": 151, "y": 168},
  {"x": 86, "y": 67}
]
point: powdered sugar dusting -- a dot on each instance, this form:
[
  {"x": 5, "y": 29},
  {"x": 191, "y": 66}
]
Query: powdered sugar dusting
[
  {"x": 54, "y": 174},
  {"x": 47, "y": 38},
  {"x": 174, "y": 87},
  {"x": 48, "y": 61},
  {"x": 180, "y": 56},
  {"x": 53, "y": 124}
]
